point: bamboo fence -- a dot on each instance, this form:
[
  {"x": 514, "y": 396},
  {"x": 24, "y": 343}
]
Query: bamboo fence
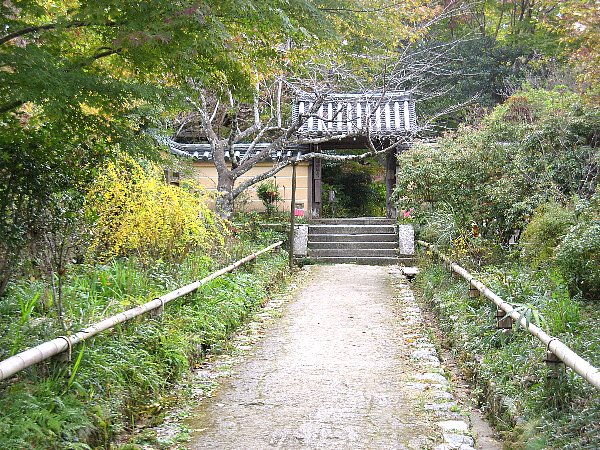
[
  {"x": 553, "y": 345},
  {"x": 46, "y": 350}
]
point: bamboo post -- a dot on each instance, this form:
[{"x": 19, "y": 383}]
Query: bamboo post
[
  {"x": 41, "y": 352},
  {"x": 292, "y": 216},
  {"x": 554, "y": 364},
  {"x": 553, "y": 345},
  {"x": 473, "y": 292}
]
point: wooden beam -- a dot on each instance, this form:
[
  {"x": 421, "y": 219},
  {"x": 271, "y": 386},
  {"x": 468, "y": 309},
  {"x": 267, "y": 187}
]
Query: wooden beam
[
  {"x": 391, "y": 164},
  {"x": 317, "y": 205}
]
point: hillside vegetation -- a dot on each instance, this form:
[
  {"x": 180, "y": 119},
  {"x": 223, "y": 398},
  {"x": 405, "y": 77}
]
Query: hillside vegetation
[{"x": 514, "y": 199}]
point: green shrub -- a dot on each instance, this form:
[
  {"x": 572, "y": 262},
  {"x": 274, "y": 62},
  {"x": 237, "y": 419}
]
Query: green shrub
[
  {"x": 541, "y": 236},
  {"x": 134, "y": 212},
  {"x": 579, "y": 259}
]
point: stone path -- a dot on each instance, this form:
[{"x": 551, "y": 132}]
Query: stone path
[{"x": 348, "y": 365}]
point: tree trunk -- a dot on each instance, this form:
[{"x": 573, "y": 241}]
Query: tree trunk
[
  {"x": 5, "y": 274},
  {"x": 224, "y": 205}
]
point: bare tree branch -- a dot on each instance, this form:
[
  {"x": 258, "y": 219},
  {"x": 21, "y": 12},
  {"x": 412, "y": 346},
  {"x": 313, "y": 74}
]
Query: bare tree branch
[
  {"x": 409, "y": 69},
  {"x": 204, "y": 118},
  {"x": 279, "y": 143},
  {"x": 214, "y": 114}
]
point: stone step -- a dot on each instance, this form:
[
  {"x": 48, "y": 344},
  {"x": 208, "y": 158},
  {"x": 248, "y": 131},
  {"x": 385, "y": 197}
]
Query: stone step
[
  {"x": 365, "y": 260},
  {"x": 351, "y": 229},
  {"x": 354, "y": 221},
  {"x": 377, "y": 237},
  {"x": 352, "y": 252},
  {"x": 352, "y": 244}
]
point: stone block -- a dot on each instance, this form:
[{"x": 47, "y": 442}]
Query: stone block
[
  {"x": 453, "y": 425},
  {"x": 300, "y": 240},
  {"x": 458, "y": 440},
  {"x": 406, "y": 240}
]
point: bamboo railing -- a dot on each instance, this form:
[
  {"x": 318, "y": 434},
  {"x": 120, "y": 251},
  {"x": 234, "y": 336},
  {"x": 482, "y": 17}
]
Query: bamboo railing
[
  {"x": 41, "y": 352},
  {"x": 553, "y": 345}
]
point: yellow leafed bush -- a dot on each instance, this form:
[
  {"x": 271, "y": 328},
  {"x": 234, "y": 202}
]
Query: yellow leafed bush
[{"x": 135, "y": 212}]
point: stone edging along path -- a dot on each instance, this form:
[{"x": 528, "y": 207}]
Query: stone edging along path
[
  {"x": 348, "y": 363},
  {"x": 436, "y": 390}
]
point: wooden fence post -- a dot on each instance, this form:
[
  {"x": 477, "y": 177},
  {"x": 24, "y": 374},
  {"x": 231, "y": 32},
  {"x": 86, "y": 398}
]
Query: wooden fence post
[
  {"x": 555, "y": 365},
  {"x": 503, "y": 320},
  {"x": 473, "y": 292},
  {"x": 292, "y": 216}
]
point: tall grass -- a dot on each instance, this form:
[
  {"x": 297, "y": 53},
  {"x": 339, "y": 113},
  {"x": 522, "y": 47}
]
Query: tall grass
[
  {"x": 125, "y": 375},
  {"x": 533, "y": 410}
]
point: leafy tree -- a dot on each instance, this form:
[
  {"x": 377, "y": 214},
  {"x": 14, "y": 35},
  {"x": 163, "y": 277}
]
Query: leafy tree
[
  {"x": 80, "y": 80},
  {"x": 579, "y": 31},
  {"x": 361, "y": 56},
  {"x": 495, "y": 47}
]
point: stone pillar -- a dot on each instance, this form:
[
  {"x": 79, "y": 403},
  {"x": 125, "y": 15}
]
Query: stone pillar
[
  {"x": 300, "y": 240},
  {"x": 406, "y": 240}
]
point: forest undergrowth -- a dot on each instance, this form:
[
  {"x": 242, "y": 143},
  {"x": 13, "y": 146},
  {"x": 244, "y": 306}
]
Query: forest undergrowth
[
  {"x": 133, "y": 238},
  {"x": 513, "y": 198}
]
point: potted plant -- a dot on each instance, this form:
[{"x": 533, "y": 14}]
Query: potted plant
[{"x": 268, "y": 193}]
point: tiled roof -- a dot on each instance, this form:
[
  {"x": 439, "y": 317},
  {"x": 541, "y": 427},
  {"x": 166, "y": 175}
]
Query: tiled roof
[
  {"x": 389, "y": 114},
  {"x": 342, "y": 120}
]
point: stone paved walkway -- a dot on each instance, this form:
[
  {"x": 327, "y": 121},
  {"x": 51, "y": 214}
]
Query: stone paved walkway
[{"x": 348, "y": 365}]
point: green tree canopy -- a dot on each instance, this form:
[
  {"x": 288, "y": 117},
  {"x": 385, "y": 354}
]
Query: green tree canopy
[{"x": 80, "y": 80}]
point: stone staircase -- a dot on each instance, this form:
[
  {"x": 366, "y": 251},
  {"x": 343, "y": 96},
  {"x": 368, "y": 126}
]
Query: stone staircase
[{"x": 364, "y": 240}]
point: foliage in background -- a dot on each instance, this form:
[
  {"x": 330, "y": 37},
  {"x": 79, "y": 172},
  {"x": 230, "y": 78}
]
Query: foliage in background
[
  {"x": 479, "y": 189},
  {"x": 41, "y": 164},
  {"x": 357, "y": 192},
  {"x": 134, "y": 212},
  {"x": 491, "y": 49},
  {"x": 579, "y": 31},
  {"x": 537, "y": 147}
]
